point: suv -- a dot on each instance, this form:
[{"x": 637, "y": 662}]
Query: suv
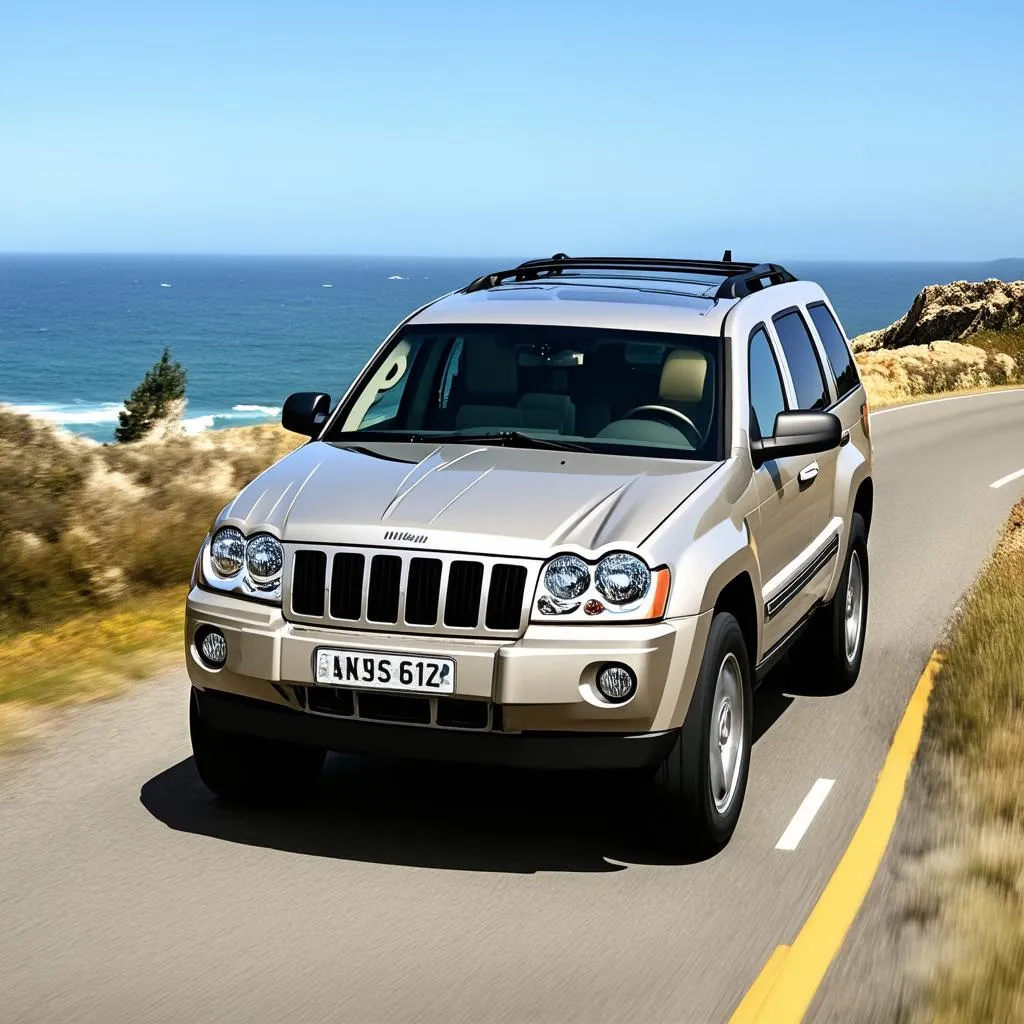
[{"x": 566, "y": 517}]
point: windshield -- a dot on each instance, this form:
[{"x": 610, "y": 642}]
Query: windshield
[{"x": 618, "y": 392}]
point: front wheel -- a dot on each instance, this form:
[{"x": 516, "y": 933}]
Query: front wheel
[
  {"x": 248, "y": 769},
  {"x": 706, "y": 772}
]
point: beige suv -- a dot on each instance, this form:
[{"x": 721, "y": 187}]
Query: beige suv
[{"x": 566, "y": 517}]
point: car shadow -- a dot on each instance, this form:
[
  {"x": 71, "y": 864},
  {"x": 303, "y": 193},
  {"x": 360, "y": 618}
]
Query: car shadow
[
  {"x": 432, "y": 815},
  {"x": 778, "y": 690}
]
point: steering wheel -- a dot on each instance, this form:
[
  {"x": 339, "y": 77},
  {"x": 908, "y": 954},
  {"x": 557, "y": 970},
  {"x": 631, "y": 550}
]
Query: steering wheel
[{"x": 688, "y": 428}]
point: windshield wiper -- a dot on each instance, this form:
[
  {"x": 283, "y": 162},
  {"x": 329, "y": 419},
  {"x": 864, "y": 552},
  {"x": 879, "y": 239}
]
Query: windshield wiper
[{"x": 513, "y": 438}]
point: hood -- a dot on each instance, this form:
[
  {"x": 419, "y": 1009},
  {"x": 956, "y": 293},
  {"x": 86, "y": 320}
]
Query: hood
[{"x": 459, "y": 497}]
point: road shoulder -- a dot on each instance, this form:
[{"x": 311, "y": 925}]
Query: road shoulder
[{"x": 941, "y": 932}]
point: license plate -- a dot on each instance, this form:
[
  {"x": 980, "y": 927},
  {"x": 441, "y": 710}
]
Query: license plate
[{"x": 376, "y": 671}]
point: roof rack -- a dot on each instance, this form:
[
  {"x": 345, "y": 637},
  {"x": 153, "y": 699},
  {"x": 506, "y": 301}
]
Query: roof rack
[{"x": 739, "y": 278}]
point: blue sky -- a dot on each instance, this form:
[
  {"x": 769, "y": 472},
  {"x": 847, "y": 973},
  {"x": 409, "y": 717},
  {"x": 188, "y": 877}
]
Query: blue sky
[{"x": 787, "y": 130}]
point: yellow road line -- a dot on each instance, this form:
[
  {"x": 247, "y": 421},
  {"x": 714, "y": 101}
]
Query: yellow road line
[{"x": 783, "y": 990}]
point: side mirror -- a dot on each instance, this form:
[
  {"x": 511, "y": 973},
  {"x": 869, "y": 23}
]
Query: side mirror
[
  {"x": 798, "y": 433},
  {"x": 306, "y": 412}
]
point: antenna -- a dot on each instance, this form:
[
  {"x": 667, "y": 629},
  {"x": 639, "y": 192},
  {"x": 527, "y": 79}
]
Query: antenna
[{"x": 727, "y": 258}]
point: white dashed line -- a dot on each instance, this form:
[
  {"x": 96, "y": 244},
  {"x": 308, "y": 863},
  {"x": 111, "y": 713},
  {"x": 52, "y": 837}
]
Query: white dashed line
[
  {"x": 805, "y": 815},
  {"x": 1009, "y": 478}
]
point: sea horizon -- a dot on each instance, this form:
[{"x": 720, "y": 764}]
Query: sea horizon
[{"x": 79, "y": 330}]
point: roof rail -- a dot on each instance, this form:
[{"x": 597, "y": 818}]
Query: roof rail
[{"x": 739, "y": 278}]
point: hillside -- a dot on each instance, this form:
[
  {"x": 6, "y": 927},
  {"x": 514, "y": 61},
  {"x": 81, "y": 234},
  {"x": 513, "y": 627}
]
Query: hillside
[{"x": 86, "y": 526}]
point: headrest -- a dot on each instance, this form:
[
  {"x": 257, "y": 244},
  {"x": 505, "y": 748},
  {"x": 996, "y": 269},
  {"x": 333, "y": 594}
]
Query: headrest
[
  {"x": 544, "y": 400},
  {"x": 683, "y": 376},
  {"x": 546, "y": 410},
  {"x": 489, "y": 368}
]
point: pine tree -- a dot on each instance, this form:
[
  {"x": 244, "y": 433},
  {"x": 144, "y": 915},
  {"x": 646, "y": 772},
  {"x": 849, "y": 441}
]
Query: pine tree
[{"x": 163, "y": 384}]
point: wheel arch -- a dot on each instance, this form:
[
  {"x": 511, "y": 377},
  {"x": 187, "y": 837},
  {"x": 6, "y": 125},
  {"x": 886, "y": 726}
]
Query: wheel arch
[
  {"x": 864, "y": 502},
  {"x": 739, "y": 599}
]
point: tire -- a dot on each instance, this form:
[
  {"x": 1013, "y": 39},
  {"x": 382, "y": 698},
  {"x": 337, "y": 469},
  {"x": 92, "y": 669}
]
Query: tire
[
  {"x": 827, "y": 656},
  {"x": 706, "y": 802},
  {"x": 250, "y": 769}
]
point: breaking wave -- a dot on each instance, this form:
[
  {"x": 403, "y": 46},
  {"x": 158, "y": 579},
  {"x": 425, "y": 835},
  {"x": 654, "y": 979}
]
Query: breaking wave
[
  {"x": 72, "y": 414},
  {"x": 99, "y": 418}
]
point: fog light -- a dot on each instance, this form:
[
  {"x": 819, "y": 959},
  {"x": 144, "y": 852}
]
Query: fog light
[
  {"x": 616, "y": 683},
  {"x": 213, "y": 648}
]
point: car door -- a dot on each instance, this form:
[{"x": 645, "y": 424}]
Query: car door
[{"x": 796, "y": 546}]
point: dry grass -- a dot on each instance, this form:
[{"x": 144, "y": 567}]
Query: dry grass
[
  {"x": 895, "y": 376},
  {"x": 89, "y": 526},
  {"x": 971, "y": 884},
  {"x": 96, "y": 545},
  {"x": 86, "y": 657}
]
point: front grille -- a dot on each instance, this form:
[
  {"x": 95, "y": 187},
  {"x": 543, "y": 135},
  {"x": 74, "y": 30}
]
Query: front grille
[
  {"x": 462, "y": 605},
  {"x": 407, "y": 591},
  {"x": 385, "y": 584},
  {"x": 347, "y": 585},
  {"x": 453, "y": 713},
  {"x": 405, "y": 709},
  {"x": 386, "y": 707},
  {"x": 424, "y": 591},
  {"x": 505, "y": 596},
  {"x": 331, "y": 700},
  {"x": 308, "y": 581}
]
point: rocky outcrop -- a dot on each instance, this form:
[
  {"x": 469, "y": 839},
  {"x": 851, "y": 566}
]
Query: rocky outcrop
[{"x": 951, "y": 312}]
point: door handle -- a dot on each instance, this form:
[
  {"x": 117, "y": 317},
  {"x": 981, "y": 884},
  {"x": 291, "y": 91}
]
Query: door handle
[{"x": 808, "y": 474}]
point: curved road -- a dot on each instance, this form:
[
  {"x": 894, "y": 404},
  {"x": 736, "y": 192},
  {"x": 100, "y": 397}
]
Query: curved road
[{"x": 411, "y": 893}]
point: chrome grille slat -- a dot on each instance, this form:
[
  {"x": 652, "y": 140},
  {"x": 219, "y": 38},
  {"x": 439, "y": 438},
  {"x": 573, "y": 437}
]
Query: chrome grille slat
[
  {"x": 403, "y": 587},
  {"x": 495, "y": 616}
]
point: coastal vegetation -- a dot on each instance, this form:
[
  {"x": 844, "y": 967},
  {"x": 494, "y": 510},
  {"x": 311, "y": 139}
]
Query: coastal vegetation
[
  {"x": 961, "y": 905},
  {"x": 97, "y": 544}
]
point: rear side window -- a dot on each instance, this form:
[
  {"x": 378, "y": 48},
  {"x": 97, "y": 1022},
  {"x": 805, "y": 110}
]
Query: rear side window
[
  {"x": 767, "y": 398},
  {"x": 804, "y": 368},
  {"x": 838, "y": 352}
]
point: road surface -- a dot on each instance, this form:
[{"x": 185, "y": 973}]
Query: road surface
[{"x": 416, "y": 893}]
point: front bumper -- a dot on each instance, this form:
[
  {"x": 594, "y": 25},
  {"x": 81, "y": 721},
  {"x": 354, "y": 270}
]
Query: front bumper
[
  {"x": 543, "y": 681},
  {"x": 550, "y": 751}
]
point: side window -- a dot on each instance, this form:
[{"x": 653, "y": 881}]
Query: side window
[
  {"x": 767, "y": 398},
  {"x": 804, "y": 368},
  {"x": 838, "y": 352}
]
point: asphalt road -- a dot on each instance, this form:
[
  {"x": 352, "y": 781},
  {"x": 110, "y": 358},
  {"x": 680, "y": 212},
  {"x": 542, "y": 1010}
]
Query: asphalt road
[{"x": 415, "y": 893}]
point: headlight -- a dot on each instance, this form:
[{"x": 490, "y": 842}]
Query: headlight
[
  {"x": 227, "y": 552},
  {"x": 620, "y": 588},
  {"x": 622, "y": 578},
  {"x": 264, "y": 560},
  {"x": 566, "y": 577}
]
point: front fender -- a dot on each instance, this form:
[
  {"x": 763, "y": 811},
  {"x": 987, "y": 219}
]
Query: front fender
[{"x": 708, "y": 542}]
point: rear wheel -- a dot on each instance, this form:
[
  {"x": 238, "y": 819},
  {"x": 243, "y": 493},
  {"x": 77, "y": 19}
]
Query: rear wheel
[
  {"x": 829, "y": 654},
  {"x": 247, "y": 769},
  {"x": 706, "y": 772}
]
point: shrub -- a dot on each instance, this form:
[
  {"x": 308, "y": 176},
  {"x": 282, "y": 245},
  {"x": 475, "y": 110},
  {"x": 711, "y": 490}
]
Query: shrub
[{"x": 163, "y": 385}]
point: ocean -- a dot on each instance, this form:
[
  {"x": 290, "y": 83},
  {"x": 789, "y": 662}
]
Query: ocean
[{"x": 78, "y": 332}]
